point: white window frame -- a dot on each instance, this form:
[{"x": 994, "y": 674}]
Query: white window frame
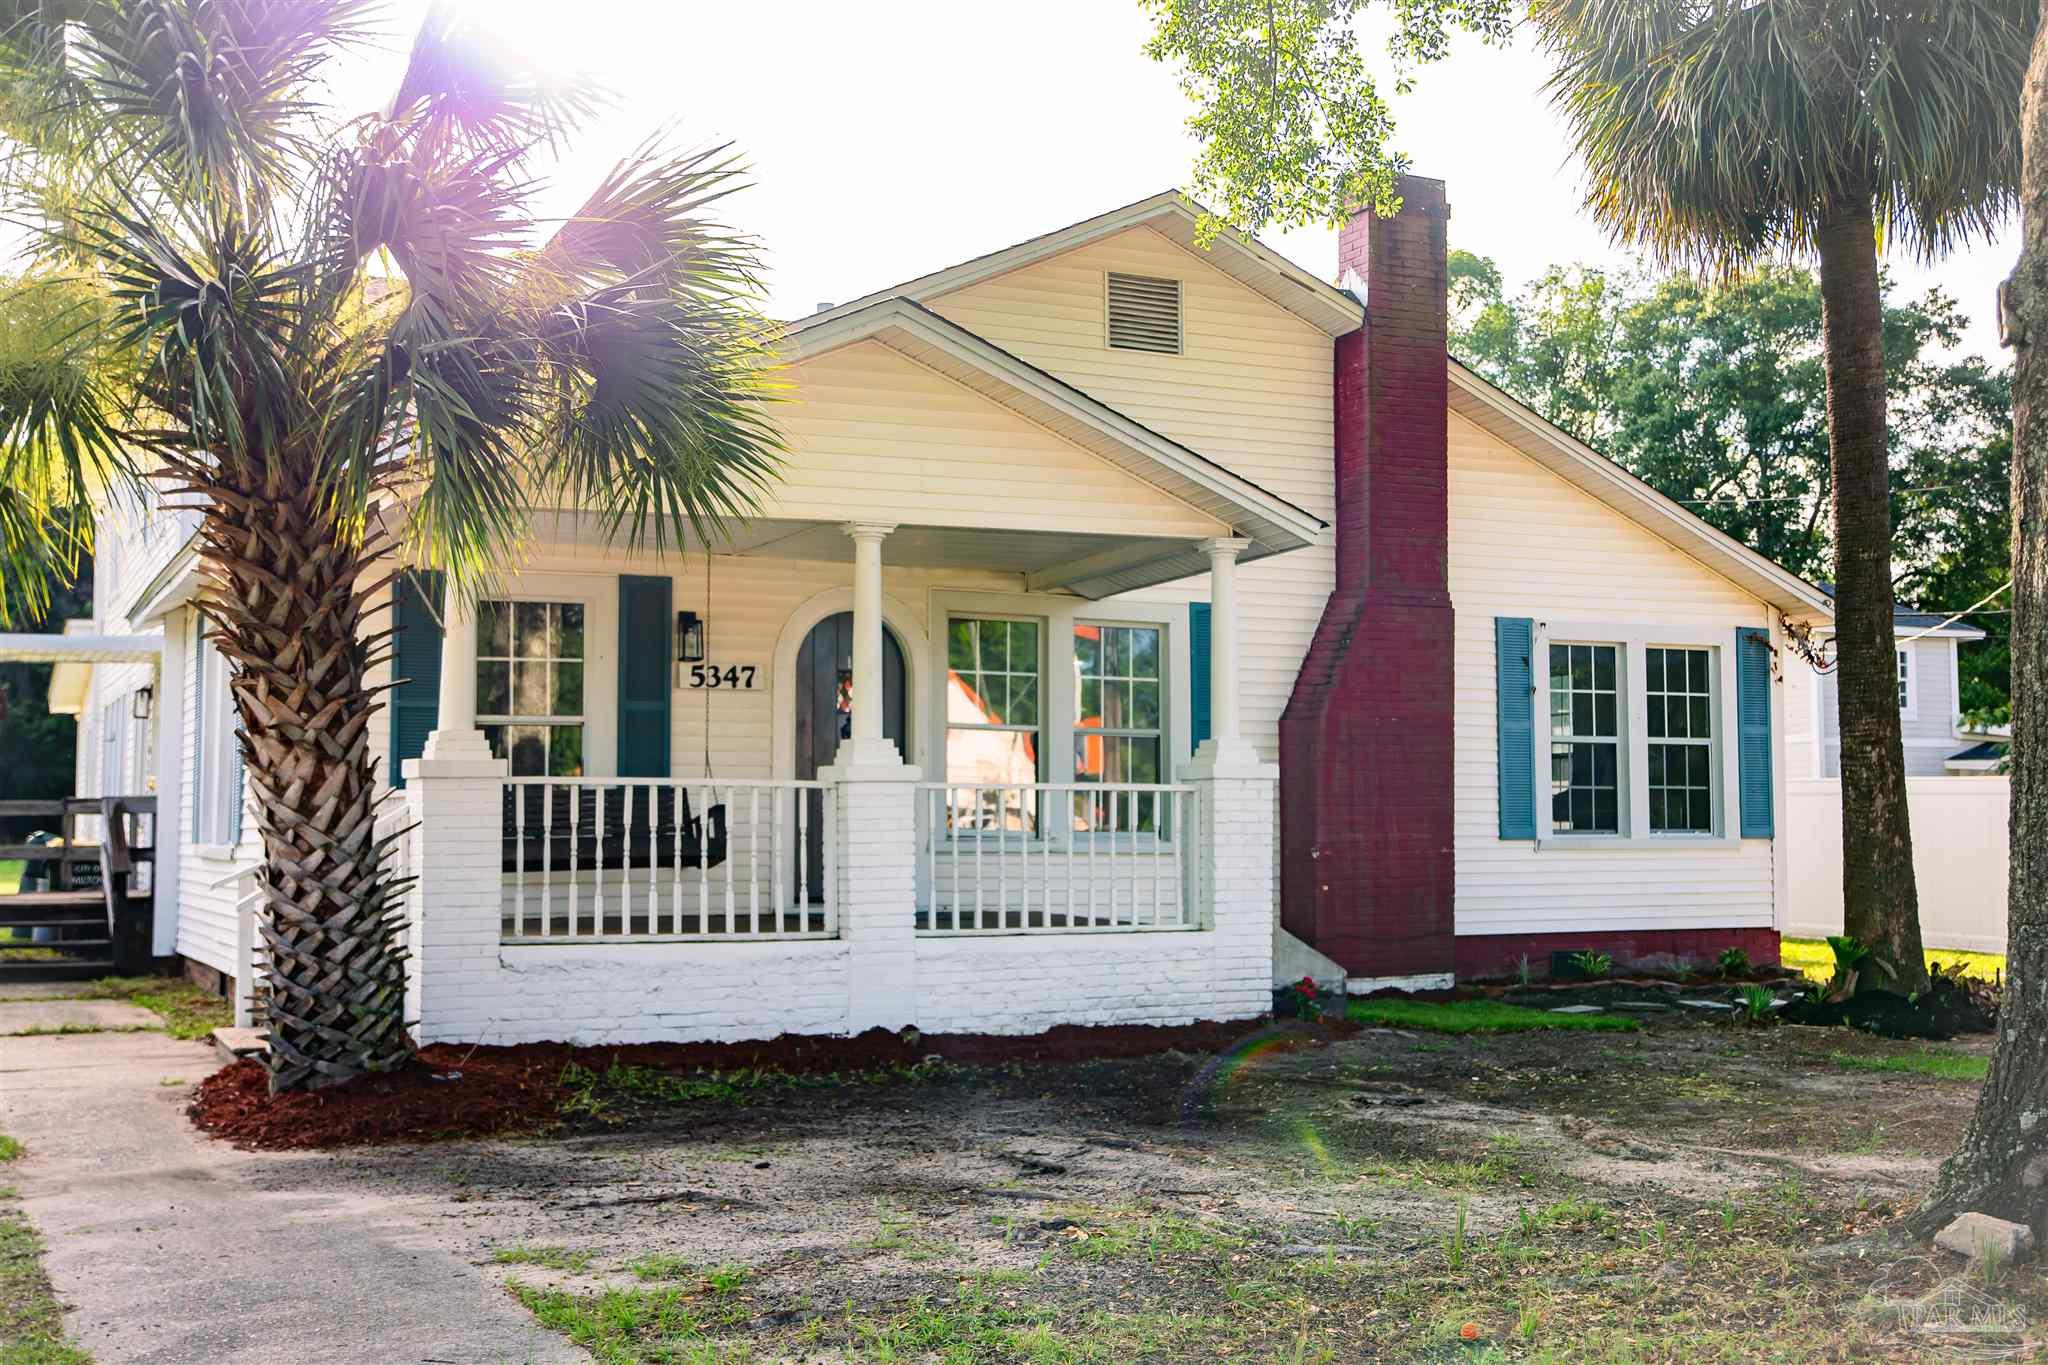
[
  {"x": 1057, "y": 703},
  {"x": 948, "y": 724},
  {"x": 1909, "y": 671},
  {"x": 212, "y": 814},
  {"x": 1633, "y": 639},
  {"x": 515, "y": 598},
  {"x": 1546, "y": 807},
  {"x": 1712, "y": 743}
]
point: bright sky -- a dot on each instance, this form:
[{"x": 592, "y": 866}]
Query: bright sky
[{"x": 888, "y": 140}]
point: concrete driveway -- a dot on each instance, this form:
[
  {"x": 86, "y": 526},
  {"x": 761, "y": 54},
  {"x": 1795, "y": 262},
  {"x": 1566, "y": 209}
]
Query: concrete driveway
[{"x": 168, "y": 1247}]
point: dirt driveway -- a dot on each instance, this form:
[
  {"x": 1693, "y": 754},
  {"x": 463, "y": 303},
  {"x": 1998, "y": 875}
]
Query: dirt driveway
[{"x": 1664, "y": 1195}]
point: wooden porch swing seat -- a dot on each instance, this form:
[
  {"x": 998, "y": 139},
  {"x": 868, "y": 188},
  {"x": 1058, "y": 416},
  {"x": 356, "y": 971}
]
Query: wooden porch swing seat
[{"x": 538, "y": 829}]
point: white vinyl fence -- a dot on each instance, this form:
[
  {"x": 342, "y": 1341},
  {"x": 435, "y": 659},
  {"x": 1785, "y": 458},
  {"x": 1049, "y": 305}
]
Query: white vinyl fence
[{"x": 1959, "y": 859}]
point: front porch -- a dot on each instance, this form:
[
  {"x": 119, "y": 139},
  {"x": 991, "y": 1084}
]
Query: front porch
[{"x": 1016, "y": 827}]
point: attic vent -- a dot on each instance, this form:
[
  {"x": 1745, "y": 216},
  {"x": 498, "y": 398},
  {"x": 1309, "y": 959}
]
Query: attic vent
[{"x": 1144, "y": 313}]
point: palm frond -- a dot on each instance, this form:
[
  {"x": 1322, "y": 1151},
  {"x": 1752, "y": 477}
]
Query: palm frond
[
  {"x": 463, "y": 85},
  {"x": 1722, "y": 133}
]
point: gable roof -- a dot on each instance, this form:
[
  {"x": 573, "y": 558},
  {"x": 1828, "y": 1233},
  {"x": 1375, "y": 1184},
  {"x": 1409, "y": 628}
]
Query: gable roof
[
  {"x": 1257, "y": 267},
  {"x": 1578, "y": 464},
  {"x": 1270, "y": 522}
]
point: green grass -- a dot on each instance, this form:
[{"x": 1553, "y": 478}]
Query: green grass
[
  {"x": 1481, "y": 1016},
  {"x": 548, "y": 1258},
  {"x": 10, "y": 875},
  {"x": 187, "y": 1011},
  {"x": 31, "y": 1319},
  {"x": 10, "y": 1149},
  {"x": 1814, "y": 958},
  {"x": 1948, "y": 1066}
]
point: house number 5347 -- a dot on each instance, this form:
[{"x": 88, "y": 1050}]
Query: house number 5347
[{"x": 734, "y": 677}]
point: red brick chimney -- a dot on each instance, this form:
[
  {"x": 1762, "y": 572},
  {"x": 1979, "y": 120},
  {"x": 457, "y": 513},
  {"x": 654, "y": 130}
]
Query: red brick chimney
[{"x": 1366, "y": 803}]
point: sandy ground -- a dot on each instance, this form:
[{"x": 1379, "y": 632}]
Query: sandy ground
[{"x": 1671, "y": 1194}]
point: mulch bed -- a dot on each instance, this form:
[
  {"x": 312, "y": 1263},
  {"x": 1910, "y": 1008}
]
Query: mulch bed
[
  {"x": 1939, "y": 1013},
  {"x": 454, "y": 1091}
]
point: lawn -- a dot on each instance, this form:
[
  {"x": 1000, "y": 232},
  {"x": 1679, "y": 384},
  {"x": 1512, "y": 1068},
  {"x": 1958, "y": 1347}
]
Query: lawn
[
  {"x": 1481, "y": 1016},
  {"x": 1663, "y": 1194},
  {"x": 10, "y": 875},
  {"x": 1813, "y": 957},
  {"x": 1949, "y": 1066},
  {"x": 31, "y": 1319}
]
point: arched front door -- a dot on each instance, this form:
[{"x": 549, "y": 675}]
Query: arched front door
[{"x": 824, "y": 717}]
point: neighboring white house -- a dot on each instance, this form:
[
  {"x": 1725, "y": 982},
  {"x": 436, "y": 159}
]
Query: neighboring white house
[
  {"x": 1118, "y": 593},
  {"x": 1930, "y": 705}
]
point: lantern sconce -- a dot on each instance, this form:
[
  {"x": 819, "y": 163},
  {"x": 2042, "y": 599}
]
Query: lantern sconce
[
  {"x": 689, "y": 637},
  {"x": 143, "y": 704}
]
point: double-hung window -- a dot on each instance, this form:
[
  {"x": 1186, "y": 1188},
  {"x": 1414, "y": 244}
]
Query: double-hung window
[
  {"x": 1905, "y": 680},
  {"x": 1585, "y": 739},
  {"x": 1678, "y": 685},
  {"x": 995, "y": 675},
  {"x": 529, "y": 685},
  {"x": 1119, "y": 725}
]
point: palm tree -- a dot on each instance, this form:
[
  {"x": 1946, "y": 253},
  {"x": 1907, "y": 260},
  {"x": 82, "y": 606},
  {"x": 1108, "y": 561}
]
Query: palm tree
[
  {"x": 1721, "y": 133},
  {"x": 346, "y": 344}
]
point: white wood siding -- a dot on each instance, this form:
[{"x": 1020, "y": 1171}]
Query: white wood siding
[
  {"x": 1525, "y": 543},
  {"x": 1251, "y": 391},
  {"x": 874, "y": 434}
]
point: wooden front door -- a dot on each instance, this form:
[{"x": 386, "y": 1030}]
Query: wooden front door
[{"x": 824, "y": 717}]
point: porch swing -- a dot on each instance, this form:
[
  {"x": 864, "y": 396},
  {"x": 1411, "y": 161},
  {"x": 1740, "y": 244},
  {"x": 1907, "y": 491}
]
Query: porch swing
[{"x": 642, "y": 827}]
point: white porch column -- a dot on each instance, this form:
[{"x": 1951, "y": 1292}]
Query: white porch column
[
  {"x": 1226, "y": 740},
  {"x": 455, "y": 795},
  {"x": 1236, "y": 812},
  {"x": 868, "y": 746},
  {"x": 874, "y": 823},
  {"x": 455, "y": 734}
]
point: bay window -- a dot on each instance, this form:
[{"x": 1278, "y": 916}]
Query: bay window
[{"x": 529, "y": 685}]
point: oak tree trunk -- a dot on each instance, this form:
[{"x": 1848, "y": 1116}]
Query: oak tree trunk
[
  {"x": 288, "y": 607},
  {"x": 1880, "y": 905},
  {"x": 2001, "y": 1167}
]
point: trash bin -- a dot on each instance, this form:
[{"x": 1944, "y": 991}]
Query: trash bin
[{"x": 37, "y": 875}]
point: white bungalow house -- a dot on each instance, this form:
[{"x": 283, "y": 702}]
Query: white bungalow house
[
  {"x": 1123, "y": 601},
  {"x": 1937, "y": 742}
]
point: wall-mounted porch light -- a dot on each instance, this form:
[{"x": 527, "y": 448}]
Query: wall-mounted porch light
[
  {"x": 143, "y": 703},
  {"x": 689, "y": 637}
]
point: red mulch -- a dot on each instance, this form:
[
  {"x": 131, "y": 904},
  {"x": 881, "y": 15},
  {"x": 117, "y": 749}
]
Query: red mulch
[{"x": 454, "y": 1090}]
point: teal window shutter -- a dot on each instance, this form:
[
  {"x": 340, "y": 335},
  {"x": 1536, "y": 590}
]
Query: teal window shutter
[
  {"x": 1753, "y": 727},
  {"x": 1198, "y": 673},
  {"x": 1513, "y": 642},
  {"x": 415, "y": 665},
  {"x": 644, "y": 629}
]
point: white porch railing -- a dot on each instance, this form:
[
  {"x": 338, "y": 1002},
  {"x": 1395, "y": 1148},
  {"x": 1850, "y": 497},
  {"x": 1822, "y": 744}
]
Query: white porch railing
[
  {"x": 1055, "y": 857},
  {"x": 647, "y": 859}
]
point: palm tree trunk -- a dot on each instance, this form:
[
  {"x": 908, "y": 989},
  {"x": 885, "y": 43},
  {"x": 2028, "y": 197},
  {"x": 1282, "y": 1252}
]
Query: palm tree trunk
[
  {"x": 289, "y": 607},
  {"x": 1880, "y": 905},
  {"x": 2001, "y": 1167}
]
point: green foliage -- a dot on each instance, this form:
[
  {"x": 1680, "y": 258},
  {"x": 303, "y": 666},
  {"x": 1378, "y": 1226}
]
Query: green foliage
[
  {"x": 187, "y": 1010},
  {"x": 1480, "y": 1016},
  {"x": 1291, "y": 120},
  {"x": 1733, "y": 962},
  {"x": 548, "y": 1257},
  {"x": 10, "y": 1148},
  {"x": 1948, "y": 1066},
  {"x": 1593, "y": 964},
  {"x": 1714, "y": 393},
  {"x": 1730, "y": 133},
  {"x": 31, "y": 1318},
  {"x": 1756, "y": 1002}
]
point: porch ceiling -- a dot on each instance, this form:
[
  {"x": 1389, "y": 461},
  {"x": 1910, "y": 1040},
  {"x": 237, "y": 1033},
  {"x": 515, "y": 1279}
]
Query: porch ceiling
[{"x": 1086, "y": 564}]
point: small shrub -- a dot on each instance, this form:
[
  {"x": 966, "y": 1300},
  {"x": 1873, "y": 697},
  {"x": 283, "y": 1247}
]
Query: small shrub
[
  {"x": 1733, "y": 962},
  {"x": 1593, "y": 964},
  {"x": 1755, "y": 1003}
]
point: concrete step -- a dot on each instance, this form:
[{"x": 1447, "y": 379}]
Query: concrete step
[{"x": 233, "y": 1044}]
